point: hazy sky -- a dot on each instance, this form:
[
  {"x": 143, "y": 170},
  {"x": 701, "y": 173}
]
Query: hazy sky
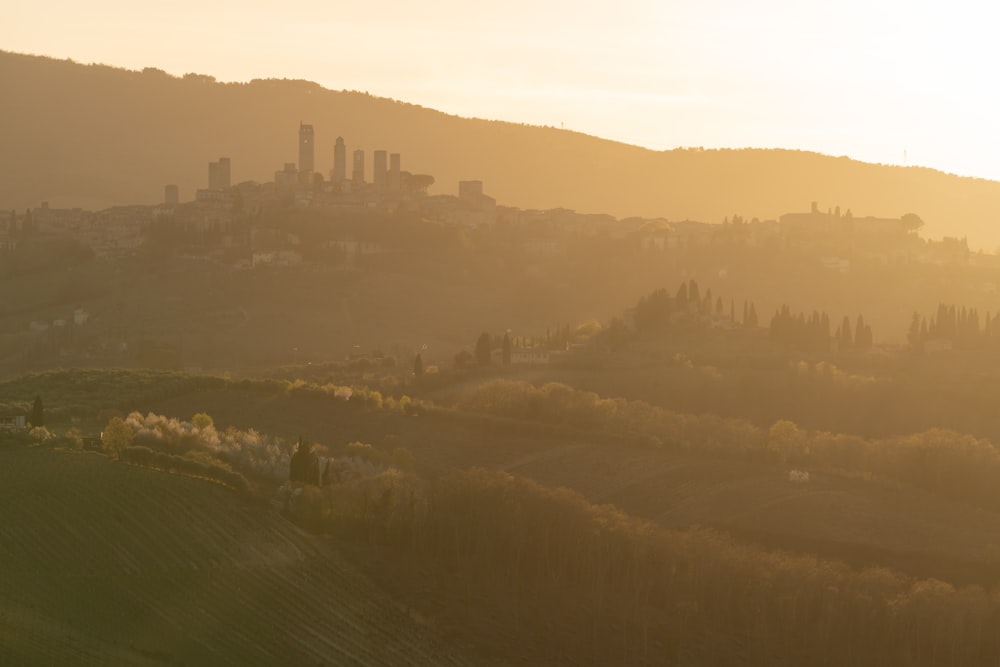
[{"x": 867, "y": 79}]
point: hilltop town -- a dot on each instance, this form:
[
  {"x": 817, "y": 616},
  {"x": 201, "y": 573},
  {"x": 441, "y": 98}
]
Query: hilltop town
[
  {"x": 317, "y": 411},
  {"x": 315, "y": 217},
  {"x": 233, "y": 216}
]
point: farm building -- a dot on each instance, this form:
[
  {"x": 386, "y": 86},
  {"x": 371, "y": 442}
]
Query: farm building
[
  {"x": 529, "y": 355},
  {"x": 12, "y": 422}
]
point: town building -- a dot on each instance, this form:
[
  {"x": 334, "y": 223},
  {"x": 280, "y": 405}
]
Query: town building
[
  {"x": 339, "y": 162},
  {"x": 380, "y": 166},
  {"x": 12, "y": 422},
  {"x": 171, "y": 195},
  {"x": 306, "y": 150},
  {"x": 468, "y": 191},
  {"x": 287, "y": 176},
  {"x": 219, "y": 174},
  {"x": 49, "y": 220},
  {"x": 358, "y": 173},
  {"x": 394, "y": 179}
]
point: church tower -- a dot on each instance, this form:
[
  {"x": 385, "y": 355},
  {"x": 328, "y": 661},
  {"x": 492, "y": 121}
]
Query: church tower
[{"x": 306, "y": 148}]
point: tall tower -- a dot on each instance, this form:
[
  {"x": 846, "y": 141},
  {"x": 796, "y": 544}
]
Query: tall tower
[
  {"x": 470, "y": 191},
  {"x": 219, "y": 174},
  {"x": 171, "y": 195},
  {"x": 378, "y": 178},
  {"x": 306, "y": 148},
  {"x": 394, "y": 178},
  {"x": 213, "y": 176},
  {"x": 358, "y": 175},
  {"x": 339, "y": 161},
  {"x": 225, "y": 175}
]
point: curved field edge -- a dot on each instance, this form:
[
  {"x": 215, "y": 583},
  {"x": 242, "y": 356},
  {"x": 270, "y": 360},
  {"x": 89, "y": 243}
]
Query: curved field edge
[{"x": 108, "y": 563}]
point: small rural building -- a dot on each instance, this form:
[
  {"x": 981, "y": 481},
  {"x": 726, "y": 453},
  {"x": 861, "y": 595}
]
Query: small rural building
[
  {"x": 12, "y": 422},
  {"x": 530, "y": 355}
]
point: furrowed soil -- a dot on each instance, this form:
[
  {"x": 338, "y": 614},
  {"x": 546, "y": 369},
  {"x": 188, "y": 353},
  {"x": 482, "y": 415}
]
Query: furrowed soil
[{"x": 105, "y": 563}]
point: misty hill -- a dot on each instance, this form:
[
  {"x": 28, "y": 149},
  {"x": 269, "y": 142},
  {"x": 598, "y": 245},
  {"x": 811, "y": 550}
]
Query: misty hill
[{"x": 96, "y": 135}]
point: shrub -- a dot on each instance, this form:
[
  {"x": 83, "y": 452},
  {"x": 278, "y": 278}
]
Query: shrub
[
  {"x": 73, "y": 438},
  {"x": 40, "y": 434},
  {"x": 116, "y": 437},
  {"x": 247, "y": 451},
  {"x": 202, "y": 420},
  {"x": 787, "y": 442}
]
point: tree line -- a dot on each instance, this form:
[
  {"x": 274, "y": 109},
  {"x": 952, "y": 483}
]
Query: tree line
[
  {"x": 942, "y": 461},
  {"x": 961, "y": 327},
  {"x": 812, "y": 333},
  {"x": 607, "y": 588},
  {"x": 688, "y": 308}
]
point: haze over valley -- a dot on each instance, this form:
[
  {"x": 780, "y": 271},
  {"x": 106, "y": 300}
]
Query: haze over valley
[{"x": 295, "y": 375}]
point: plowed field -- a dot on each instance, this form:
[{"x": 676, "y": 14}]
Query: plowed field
[{"x": 104, "y": 563}]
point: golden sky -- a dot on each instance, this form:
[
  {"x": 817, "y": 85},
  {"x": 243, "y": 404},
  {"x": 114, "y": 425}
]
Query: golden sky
[{"x": 867, "y": 79}]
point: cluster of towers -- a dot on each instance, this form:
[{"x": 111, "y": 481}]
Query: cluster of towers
[
  {"x": 385, "y": 170},
  {"x": 386, "y": 174}
]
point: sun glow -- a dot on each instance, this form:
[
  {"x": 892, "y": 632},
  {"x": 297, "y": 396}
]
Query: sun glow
[{"x": 883, "y": 82}]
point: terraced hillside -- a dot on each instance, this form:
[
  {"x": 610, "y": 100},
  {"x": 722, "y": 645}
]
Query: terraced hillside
[{"x": 104, "y": 563}]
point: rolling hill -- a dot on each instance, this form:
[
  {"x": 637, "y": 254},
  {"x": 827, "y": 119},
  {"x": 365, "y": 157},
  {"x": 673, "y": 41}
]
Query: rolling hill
[
  {"x": 104, "y": 563},
  {"x": 127, "y": 565},
  {"x": 864, "y": 523},
  {"x": 93, "y": 136}
]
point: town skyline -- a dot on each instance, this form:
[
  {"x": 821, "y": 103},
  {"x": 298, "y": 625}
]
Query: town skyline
[
  {"x": 167, "y": 128},
  {"x": 448, "y": 334},
  {"x": 655, "y": 76}
]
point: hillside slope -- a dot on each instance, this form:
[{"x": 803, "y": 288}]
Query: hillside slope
[
  {"x": 109, "y": 564},
  {"x": 96, "y": 136},
  {"x": 860, "y": 522}
]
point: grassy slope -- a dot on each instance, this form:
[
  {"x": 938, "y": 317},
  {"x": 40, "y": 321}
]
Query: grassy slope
[{"x": 105, "y": 563}]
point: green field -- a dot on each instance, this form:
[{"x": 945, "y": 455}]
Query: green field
[{"x": 105, "y": 563}]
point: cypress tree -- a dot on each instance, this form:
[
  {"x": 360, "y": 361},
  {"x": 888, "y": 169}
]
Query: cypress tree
[
  {"x": 859, "y": 333},
  {"x": 682, "y": 296},
  {"x": 484, "y": 348},
  {"x": 37, "y": 412},
  {"x": 845, "y": 335},
  {"x": 913, "y": 335},
  {"x": 694, "y": 295}
]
